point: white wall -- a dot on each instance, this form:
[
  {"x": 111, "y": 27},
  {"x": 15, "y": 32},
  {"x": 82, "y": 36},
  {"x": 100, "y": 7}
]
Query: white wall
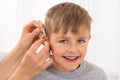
[
  {"x": 104, "y": 46},
  {"x": 10, "y": 23}
]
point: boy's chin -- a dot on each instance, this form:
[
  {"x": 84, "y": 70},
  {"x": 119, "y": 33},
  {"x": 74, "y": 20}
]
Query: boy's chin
[{"x": 71, "y": 69}]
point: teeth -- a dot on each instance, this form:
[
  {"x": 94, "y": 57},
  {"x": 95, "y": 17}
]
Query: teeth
[{"x": 71, "y": 57}]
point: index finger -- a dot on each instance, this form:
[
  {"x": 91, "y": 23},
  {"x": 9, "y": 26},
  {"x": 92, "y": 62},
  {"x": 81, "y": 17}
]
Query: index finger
[
  {"x": 32, "y": 25},
  {"x": 35, "y": 46}
]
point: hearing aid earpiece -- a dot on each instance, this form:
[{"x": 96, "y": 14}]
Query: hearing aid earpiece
[{"x": 42, "y": 32}]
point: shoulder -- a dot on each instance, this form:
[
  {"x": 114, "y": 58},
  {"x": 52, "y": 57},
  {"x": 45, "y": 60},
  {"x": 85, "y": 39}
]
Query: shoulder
[
  {"x": 91, "y": 67},
  {"x": 93, "y": 70}
]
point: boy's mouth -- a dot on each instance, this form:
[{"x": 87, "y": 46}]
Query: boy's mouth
[{"x": 71, "y": 58}]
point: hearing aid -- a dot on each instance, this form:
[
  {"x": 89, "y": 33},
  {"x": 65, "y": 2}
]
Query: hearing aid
[{"x": 42, "y": 32}]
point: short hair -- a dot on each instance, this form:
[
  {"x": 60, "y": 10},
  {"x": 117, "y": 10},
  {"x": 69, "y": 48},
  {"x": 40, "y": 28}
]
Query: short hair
[{"x": 66, "y": 16}]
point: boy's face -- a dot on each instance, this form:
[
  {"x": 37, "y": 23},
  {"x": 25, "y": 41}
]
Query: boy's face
[{"x": 69, "y": 50}]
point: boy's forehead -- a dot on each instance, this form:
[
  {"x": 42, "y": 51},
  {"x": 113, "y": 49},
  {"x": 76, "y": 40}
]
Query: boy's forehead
[
  {"x": 70, "y": 35},
  {"x": 81, "y": 29}
]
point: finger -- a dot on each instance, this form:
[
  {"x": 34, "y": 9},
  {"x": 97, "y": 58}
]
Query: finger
[
  {"x": 40, "y": 23},
  {"x": 35, "y": 33},
  {"x": 32, "y": 25},
  {"x": 45, "y": 47},
  {"x": 35, "y": 46},
  {"x": 41, "y": 55},
  {"x": 46, "y": 44},
  {"x": 47, "y": 64},
  {"x": 44, "y": 52},
  {"x": 43, "y": 59}
]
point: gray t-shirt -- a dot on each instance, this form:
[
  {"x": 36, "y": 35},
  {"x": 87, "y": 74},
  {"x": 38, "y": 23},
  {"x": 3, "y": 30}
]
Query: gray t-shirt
[{"x": 86, "y": 71}]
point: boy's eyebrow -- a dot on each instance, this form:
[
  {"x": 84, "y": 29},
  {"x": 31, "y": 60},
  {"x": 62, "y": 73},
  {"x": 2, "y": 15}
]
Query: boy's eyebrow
[
  {"x": 80, "y": 37},
  {"x": 83, "y": 37},
  {"x": 62, "y": 37}
]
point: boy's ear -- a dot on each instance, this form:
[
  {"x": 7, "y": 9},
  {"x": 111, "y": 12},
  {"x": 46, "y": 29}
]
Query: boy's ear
[{"x": 89, "y": 37}]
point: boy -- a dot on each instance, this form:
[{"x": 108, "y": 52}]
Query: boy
[{"x": 68, "y": 29}]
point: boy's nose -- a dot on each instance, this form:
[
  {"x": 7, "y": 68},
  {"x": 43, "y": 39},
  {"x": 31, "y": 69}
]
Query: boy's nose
[{"x": 72, "y": 48}]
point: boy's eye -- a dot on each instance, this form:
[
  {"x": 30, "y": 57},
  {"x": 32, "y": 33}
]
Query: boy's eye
[
  {"x": 81, "y": 41},
  {"x": 63, "y": 41}
]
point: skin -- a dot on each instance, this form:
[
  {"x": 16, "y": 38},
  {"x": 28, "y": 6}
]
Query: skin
[
  {"x": 70, "y": 49},
  {"x": 27, "y": 63},
  {"x": 33, "y": 63},
  {"x": 28, "y": 37}
]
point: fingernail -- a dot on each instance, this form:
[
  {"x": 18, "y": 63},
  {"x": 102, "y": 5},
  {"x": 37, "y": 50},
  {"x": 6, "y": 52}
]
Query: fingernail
[{"x": 40, "y": 48}]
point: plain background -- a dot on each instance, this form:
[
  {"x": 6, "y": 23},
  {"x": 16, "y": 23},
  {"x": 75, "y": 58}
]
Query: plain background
[{"x": 104, "y": 47}]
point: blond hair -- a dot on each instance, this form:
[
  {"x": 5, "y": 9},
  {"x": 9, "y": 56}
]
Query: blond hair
[{"x": 66, "y": 16}]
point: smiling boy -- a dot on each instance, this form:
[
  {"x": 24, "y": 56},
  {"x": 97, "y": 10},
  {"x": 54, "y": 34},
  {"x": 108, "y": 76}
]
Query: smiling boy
[
  {"x": 68, "y": 29},
  {"x": 69, "y": 49}
]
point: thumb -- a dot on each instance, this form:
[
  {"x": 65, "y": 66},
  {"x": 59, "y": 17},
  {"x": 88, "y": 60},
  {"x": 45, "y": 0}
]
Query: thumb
[{"x": 35, "y": 33}]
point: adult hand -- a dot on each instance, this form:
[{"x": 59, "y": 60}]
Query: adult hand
[
  {"x": 29, "y": 35},
  {"x": 33, "y": 63}
]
